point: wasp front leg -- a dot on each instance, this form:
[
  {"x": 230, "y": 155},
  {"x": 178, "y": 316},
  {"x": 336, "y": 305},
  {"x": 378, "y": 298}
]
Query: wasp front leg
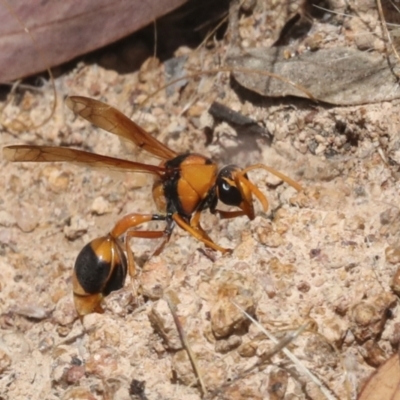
[{"x": 197, "y": 231}]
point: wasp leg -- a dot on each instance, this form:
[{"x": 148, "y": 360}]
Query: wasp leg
[
  {"x": 229, "y": 214},
  {"x": 138, "y": 234},
  {"x": 129, "y": 252},
  {"x": 131, "y": 220},
  {"x": 166, "y": 234},
  {"x": 125, "y": 225},
  {"x": 198, "y": 233},
  {"x": 195, "y": 223}
]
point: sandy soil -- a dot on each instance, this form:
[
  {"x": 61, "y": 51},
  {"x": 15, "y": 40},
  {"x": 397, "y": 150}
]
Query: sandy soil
[{"x": 324, "y": 257}]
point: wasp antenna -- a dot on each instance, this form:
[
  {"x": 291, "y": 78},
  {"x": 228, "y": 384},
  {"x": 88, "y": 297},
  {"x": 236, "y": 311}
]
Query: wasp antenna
[
  {"x": 253, "y": 188},
  {"x": 285, "y": 178}
]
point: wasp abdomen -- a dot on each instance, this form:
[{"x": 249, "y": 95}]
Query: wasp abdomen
[{"x": 100, "y": 268}]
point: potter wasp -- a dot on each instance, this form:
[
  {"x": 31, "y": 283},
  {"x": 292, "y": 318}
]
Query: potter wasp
[{"x": 184, "y": 186}]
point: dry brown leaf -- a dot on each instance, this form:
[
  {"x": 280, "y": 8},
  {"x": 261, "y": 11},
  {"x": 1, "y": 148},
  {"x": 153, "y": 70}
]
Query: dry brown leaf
[
  {"x": 384, "y": 384},
  {"x": 64, "y": 30}
]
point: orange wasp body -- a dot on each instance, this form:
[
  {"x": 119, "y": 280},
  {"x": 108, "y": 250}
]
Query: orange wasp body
[{"x": 184, "y": 186}]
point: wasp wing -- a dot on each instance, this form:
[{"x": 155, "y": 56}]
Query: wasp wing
[
  {"x": 50, "y": 154},
  {"x": 112, "y": 120}
]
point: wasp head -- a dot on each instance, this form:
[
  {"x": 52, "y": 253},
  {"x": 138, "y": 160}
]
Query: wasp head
[{"x": 234, "y": 189}]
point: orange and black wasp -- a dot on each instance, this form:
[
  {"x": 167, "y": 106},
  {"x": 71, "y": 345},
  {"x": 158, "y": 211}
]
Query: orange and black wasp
[{"x": 184, "y": 186}]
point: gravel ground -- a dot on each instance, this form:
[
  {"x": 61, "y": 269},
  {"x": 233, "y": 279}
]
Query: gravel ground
[{"x": 325, "y": 256}]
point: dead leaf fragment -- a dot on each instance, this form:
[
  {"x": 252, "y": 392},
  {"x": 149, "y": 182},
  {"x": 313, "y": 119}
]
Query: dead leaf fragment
[
  {"x": 341, "y": 76},
  {"x": 384, "y": 383}
]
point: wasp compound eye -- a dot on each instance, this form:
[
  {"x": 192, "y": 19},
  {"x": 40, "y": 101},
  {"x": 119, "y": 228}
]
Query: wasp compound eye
[
  {"x": 100, "y": 268},
  {"x": 228, "y": 192}
]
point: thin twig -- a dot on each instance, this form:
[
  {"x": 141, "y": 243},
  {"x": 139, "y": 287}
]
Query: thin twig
[
  {"x": 289, "y": 354},
  {"x": 185, "y": 342}
]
